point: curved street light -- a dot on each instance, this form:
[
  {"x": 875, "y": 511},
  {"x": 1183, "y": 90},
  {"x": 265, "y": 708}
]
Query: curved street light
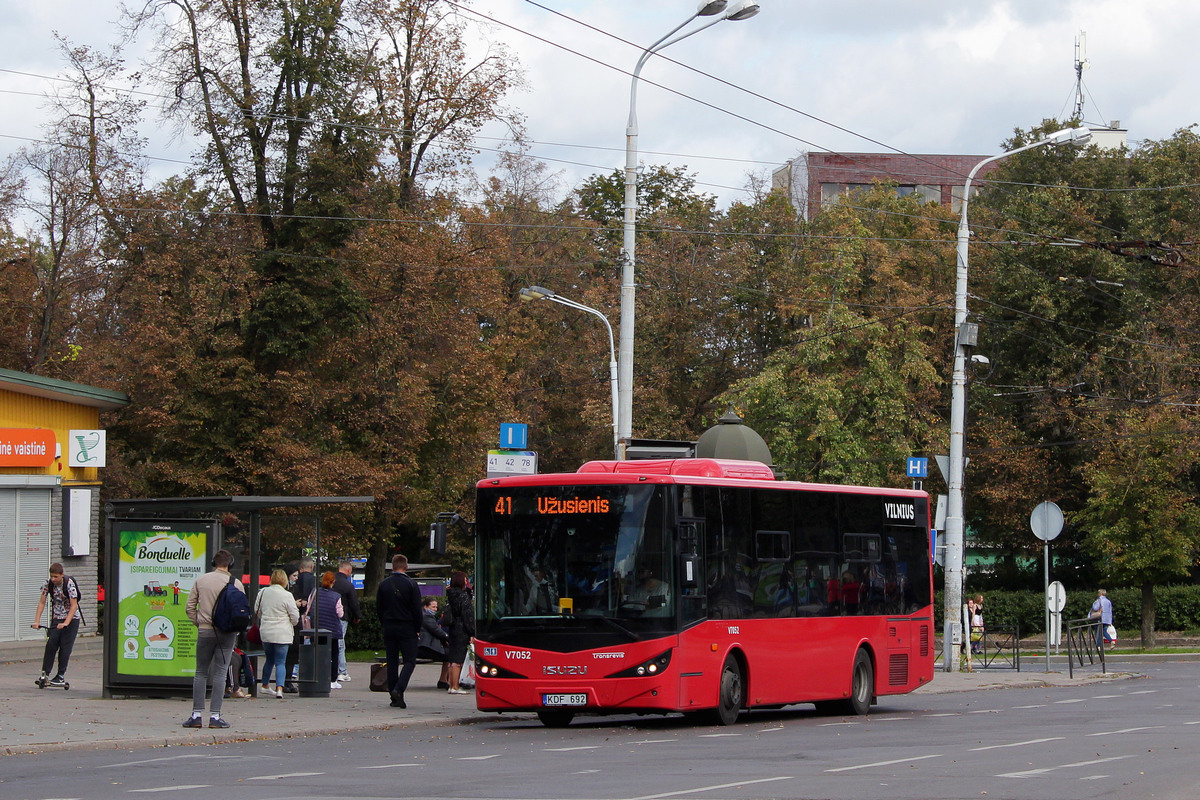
[
  {"x": 542, "y": 293},
  {"x": 963, "y": 341},
  {"x": 743, "y": 9}
]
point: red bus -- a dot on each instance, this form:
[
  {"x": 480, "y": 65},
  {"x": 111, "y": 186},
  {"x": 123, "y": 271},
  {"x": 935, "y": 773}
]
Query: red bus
[{"x": 700, "y": 586}]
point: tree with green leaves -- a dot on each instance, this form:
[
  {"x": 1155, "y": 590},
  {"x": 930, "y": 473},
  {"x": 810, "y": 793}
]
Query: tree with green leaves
[
  {"x": 857, "y": 389},
  {"x": 1141, "y": 518}
]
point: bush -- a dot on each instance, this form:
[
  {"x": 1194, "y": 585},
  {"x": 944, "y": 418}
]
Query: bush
[
  {"x": 366, "y": 635},
  {"x": 1176, "y": 608}
]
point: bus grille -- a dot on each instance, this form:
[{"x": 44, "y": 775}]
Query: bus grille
[
  {"x": 898, "y": 669},
  {"x": 924, "y": 641}
]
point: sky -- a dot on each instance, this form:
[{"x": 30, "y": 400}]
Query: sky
[{"x": 923, "y": 76}]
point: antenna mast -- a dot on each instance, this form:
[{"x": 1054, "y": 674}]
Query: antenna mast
[{"x": 1081, "y": 63}]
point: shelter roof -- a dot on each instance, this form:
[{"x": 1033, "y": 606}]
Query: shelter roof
[{"x": 217, "y": 505}]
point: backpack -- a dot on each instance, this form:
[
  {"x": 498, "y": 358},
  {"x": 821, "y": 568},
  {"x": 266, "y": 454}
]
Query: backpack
[
  {"x": 231, "y": 612},
  {"x": 68, "y": 582}
]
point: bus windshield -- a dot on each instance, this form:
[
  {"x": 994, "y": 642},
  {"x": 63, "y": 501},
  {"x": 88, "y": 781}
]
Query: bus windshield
[{"x": 583, "y": 551}]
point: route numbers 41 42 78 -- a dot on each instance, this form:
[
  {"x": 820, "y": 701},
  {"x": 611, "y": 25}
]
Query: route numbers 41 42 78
[{"x": 511, "y": 462}]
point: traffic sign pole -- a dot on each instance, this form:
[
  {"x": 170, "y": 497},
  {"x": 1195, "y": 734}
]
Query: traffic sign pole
[{"x": 1047, "y": 522}]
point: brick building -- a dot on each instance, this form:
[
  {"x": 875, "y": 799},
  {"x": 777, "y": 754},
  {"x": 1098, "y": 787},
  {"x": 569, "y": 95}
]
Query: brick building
[{"x": 816, "y": 180}]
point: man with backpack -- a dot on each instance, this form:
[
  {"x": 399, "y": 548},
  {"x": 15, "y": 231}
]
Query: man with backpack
[
  {"x": 65, "y": 618},
  {"x": 208, "y": 605}
]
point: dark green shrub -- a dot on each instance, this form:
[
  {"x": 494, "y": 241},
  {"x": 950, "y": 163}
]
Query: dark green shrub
[
  {"x": 1176, "y": 608},
  {"x": 366, "y": 635}
]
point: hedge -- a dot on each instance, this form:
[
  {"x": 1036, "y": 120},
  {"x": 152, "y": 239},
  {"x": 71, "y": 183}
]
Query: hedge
[
  {"x": 366, "y": 635},
  {"x": 1176, "y": 608}
]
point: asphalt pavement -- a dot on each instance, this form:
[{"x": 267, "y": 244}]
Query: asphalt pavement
[{"x": 36, "y": 720}]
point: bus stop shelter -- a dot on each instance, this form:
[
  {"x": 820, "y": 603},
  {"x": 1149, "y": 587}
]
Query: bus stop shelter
[{"x": 155, "y": 549}]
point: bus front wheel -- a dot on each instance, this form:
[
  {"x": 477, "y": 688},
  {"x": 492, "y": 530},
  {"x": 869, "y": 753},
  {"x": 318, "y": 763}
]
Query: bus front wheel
[
  {"x": 862, "y": 685},
  {"x": 556, "y": 719},
  {"x": 732, "y": 692}
]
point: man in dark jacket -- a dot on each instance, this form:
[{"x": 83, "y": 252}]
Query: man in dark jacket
[
  {"x": 305, "y": 585},
  {"x": 351, "y": 612},
  {"x": 398, "y": 604}
]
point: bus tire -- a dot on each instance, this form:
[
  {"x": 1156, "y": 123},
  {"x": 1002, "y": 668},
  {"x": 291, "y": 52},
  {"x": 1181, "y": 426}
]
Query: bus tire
[
  {"x": 862, "y": 685},
  {"x": 556, "y": 719},
  {"x": 732, "y": 692}
]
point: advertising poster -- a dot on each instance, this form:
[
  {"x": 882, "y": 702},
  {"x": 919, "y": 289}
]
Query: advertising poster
[{"x": 158, "y": 562}]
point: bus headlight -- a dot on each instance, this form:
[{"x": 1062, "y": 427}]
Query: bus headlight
[
  {"x": 486, "y": 669},
  {"x": 648, "y": 668}
]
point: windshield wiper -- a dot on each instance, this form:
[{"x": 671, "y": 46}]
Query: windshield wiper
[{"x": 612, "y": 623}]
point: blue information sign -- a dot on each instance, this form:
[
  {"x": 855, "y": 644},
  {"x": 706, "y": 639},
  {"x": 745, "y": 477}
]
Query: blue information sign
[
  {"x": 514, "y": 435},
  {"x": 918, "y": 467}
]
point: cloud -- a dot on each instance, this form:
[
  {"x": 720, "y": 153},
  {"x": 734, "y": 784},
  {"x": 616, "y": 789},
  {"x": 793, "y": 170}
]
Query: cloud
[{"x": 923, "y": 77}]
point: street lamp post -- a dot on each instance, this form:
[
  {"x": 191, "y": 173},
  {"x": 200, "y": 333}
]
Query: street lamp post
[
  {"x": 743, "y": 9},
  {"x": 541, "y": 293},
  {"x": 963, "y": 341}
]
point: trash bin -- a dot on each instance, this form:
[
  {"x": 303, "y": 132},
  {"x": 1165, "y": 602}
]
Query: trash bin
[{"x": 314, "y": 663}]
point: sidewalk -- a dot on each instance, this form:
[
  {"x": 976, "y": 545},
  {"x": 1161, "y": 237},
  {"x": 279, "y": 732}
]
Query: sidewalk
[{"x": 39, "y": 720}]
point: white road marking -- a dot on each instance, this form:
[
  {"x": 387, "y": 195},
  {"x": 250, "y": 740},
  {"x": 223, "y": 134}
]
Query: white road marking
[
  {"x": 1039, "y": 705},
  {"x": 835, "y": 724},
  {"x": 1127, "y": 730},
  {"x": 717, "y": 735},
  {"x": 885, "y": 763},
  {"x": 1068, "y": 702},
  {"x": 712, "y": 788},
  {"x": 955, "y": 714},
  {"x": 285, "y": 775},
  {"x": 570, "y": 749},
  {"x": 391, "y": 766},
  {"x": 1017, "y": 744},
  {"x": 1029, "y": 773},
  {"x": 150, "y": 761},
  {"x": 1145, "y": 691},
  {"x": 1106, "y": 697},
  {"x": 476, "y": 758},
  {"x": 173, "y": 788},
  {"x": 652, "y": 741}
]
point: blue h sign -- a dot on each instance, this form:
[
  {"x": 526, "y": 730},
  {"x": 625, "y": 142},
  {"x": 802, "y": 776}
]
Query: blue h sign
[
  {"x": 514, "y": 435},
  {"x": 918, "y": 467}
]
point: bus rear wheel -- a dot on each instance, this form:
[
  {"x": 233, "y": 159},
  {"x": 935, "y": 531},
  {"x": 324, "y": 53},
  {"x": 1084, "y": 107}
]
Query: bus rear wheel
[
  {"x": 732, "y": 692},
  {"x": 556, "y": 719}
]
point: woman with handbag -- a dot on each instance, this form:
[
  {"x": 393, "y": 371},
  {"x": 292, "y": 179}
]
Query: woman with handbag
[
  {"x": 276, "y": 615},
  {"x": 460, "y": 609}
]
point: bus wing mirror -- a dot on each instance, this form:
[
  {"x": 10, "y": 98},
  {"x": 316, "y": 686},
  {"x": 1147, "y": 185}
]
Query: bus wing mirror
[
  {"x": 437, "y": 537},
  {"x": 440, "y": 527}
]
